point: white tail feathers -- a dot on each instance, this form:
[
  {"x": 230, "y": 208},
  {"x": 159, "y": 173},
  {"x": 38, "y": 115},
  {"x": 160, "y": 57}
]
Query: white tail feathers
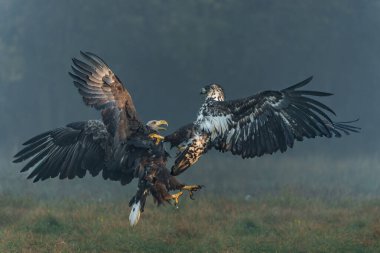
[{"x": 134, "y": 216}]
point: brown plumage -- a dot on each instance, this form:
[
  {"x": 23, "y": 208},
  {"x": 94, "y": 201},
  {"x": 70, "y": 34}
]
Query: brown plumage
[
  {"x": 102, "y": 89},
  {"x": 120, "y": 147},
  {"x": 180, "y": 135}
]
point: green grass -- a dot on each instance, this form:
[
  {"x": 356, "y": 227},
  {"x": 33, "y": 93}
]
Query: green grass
[{"x": 287, "y": 223}]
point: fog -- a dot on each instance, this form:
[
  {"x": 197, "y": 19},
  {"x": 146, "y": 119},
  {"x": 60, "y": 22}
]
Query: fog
[{"x": 165, "y": 51}]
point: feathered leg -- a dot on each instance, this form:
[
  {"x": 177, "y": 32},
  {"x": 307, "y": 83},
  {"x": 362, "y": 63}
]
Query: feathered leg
[{"x": 161, "y": 194}]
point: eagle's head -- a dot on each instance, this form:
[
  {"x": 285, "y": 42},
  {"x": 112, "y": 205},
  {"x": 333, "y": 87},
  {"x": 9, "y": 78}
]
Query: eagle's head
[
  {"x": 214, "y": 92},
  {"x": 157, "y": 125}
]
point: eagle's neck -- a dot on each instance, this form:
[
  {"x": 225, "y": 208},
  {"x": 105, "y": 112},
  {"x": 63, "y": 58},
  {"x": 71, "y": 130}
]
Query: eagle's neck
[
  {"x": 205, "y": 111},
  {"x": 212, "y": 97}
]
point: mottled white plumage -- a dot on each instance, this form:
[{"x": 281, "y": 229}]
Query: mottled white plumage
[
  {"x": 215, "y": 125},
  {"x": 206, "y": 121}
]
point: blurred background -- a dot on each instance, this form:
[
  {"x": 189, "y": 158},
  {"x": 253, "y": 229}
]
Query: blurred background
[{"x": 165, "y": 51}]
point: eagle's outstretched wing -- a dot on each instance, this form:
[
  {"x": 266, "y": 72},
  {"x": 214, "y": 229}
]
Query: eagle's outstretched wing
[
  {"x": 67, "y": 152},
  {"x": 82, "y": 147},
  {"x": 273, "y": 120},
  {"x": 264, "y": 123},
  {"x": 102, "y": 89}
]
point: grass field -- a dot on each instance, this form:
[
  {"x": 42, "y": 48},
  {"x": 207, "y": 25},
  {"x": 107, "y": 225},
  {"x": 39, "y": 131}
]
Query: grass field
[{"x": 287, "y": 223}]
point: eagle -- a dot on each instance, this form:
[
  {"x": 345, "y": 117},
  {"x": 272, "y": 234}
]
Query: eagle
[
  {"x": 119, "y": 146},
  {"x": 264, "y": 123}
]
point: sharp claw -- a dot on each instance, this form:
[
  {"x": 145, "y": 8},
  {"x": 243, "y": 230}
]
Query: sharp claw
[
  {"x": 191, "y": 189},
  {"x": 175, "y": 197},
  {"x": 156, "y": 138}
]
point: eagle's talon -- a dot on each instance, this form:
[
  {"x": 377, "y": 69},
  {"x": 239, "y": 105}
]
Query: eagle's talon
[
  {"x": 156, "y": 138},
  {"x": 191, "y": 189},
  {"x": 175, "y": 197}
]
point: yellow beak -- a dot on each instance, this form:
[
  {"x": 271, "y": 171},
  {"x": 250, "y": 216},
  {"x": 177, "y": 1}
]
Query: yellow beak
[{"x": 161, "y": 124}]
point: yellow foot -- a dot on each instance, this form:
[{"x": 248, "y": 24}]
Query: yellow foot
[
  {"x": 192, "y": 188},
  {"x": 156, "y": 137},
  {"x": 175, "y": 197}
]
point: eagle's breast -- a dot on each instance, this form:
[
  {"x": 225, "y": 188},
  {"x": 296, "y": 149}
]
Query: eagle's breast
[{"x": 211, "y": 121}]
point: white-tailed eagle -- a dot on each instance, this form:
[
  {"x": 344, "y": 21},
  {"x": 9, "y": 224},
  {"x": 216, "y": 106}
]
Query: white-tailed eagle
[
  {"x": 119, "y": 146},
  {"x": 261, "y": 124}
]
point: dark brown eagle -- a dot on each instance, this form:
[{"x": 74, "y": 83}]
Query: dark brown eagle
[
  {"x": 120, "y": 146},
  {"x": 264, "y": 123}
]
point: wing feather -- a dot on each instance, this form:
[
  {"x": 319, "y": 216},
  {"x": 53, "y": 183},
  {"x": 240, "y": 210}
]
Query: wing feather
[
  {"x": 61, "y": 152},
  {"x": 271, "y": 121},
  {"x": 102, "y": 89}
]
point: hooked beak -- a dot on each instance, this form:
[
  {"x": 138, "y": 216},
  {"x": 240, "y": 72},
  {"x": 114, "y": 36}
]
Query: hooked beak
[
  {"x": 162, "y": 125},
  {"x": 203, "y": 91}
]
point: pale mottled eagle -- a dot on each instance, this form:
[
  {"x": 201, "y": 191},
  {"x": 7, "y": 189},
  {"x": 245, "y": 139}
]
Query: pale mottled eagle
[
  {"x": 264, "y": 123},
  {"x": 119, "y": 146}
]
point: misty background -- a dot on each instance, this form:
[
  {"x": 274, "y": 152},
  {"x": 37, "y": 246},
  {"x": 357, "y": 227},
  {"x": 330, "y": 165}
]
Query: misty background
[{"x": 164, "y": 51}]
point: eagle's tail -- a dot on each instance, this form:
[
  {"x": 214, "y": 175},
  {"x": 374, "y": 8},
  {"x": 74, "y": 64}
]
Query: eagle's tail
[{"x": 134, "y": 216}]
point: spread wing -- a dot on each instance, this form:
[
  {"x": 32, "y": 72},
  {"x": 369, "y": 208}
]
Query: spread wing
[
  {"x": 103, "y": 90},
  {"x": 82, "y": 147},
  {"x": 67, "y": 152},
  {"x": 267, "y": 122},
  {"x": 271, "y": 121}
]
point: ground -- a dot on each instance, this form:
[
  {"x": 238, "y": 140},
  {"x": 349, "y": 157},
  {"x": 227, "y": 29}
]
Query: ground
[{"x": 287, "y": 223}]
